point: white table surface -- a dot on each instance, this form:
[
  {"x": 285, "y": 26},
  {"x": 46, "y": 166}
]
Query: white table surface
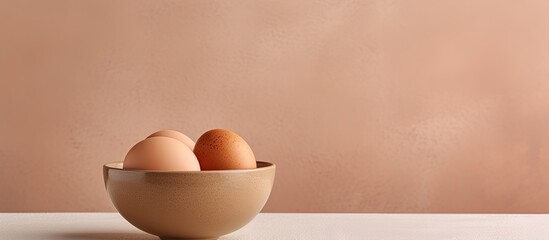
[{"x": 110, "y": 226}]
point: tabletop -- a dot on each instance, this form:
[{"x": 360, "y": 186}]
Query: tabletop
[{"x": 107, "y": 226}]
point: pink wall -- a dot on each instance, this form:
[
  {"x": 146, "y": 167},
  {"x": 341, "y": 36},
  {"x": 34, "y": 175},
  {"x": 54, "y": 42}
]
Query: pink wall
[{"x": 366, "y": 106}]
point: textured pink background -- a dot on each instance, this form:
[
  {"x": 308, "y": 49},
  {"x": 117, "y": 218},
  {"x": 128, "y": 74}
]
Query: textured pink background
[{"x": 366, "y": 106}]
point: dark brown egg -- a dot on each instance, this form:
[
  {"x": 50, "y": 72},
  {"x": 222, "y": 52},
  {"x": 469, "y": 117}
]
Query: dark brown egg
[{"x": 221, "y": 149}]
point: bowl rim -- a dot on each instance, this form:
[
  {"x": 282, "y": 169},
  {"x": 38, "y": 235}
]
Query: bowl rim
[{"x": 117, "y": 166}]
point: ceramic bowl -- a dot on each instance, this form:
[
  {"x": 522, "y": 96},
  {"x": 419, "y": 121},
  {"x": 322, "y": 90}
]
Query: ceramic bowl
[{"x": 179, "y": 205}]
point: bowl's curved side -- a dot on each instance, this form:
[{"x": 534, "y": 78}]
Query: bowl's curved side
[{"x": 189, "y": 205}]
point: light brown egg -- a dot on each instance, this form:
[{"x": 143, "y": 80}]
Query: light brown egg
[
  {"x": 161, "y": 153},
  {"x": 176, "y": 135},
  {"x": 221, "y": 149}
]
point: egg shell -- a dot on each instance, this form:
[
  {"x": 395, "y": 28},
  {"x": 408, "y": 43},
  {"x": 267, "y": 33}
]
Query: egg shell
[
  {"x": 161, "y": 153},
  {"x": 221, "y": 149},
  {"x": 175, "y": 135}
]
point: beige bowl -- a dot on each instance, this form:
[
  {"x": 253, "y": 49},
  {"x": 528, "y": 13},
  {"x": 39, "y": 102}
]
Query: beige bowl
[{"x": 205, "y": 204}]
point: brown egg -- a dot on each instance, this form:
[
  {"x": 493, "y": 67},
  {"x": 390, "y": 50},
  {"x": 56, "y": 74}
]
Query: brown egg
[
  {"x": 176, "y": 135},
  {"x": 161, "y": 153},
  {"x": 221, "y": 149}
]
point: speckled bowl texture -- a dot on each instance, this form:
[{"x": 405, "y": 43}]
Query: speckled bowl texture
[{"x": 183, "y": 205}]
